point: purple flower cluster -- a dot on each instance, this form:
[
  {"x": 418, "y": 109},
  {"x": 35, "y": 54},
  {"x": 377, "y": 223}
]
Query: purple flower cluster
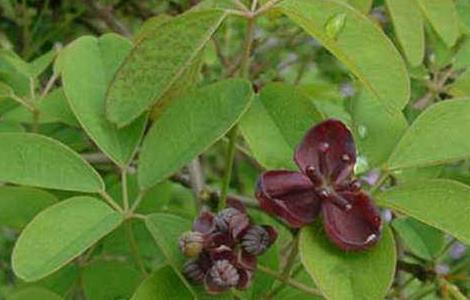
[{"x": 223, "y": 248}]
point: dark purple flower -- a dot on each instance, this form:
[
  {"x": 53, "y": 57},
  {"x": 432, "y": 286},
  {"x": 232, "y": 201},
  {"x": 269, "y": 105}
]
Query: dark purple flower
[
  {"x": 224, "y": 248},
  {"x": 326, "y": 158}
]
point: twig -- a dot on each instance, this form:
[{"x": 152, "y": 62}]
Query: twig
[
  {"x": 110, "y": 201},
  {"x": 106, "y": 15},
  {"x": 196, "y": 177},
  {"x": 125, "y": 194}
]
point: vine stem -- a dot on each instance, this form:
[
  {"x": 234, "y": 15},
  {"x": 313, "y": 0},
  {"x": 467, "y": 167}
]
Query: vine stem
[
  {"x": 232, "y": 136},
  {"x": 289, "y": 281}
]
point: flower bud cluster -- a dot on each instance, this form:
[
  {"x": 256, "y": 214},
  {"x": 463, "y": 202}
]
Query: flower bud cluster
[{"x": 223, "y": 248}]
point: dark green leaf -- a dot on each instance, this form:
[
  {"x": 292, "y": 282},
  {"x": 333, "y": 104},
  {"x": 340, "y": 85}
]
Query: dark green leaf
[
  {"x": 18, "y": 205},
  {"x": 34, "y": 293}
]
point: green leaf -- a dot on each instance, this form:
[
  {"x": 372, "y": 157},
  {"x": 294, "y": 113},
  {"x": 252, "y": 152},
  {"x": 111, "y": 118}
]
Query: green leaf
[
  {"x": 420, "y": 147},
  {"x": 5, "y": 90},
  {"x": 157, "y": 62},
  {"x": 276, "y": 122},
  {"x": 188, "y": 126},
  {"x": 421, "y": 239},
  {"x": 110, "y": 280},
  {"x": 348, "y": 275},
  {"x": 89, "y": 66},
  {"x": 461, "y": 87},
  {"x": 166, "y": 229},
  {"x": 7, "y": 126},
  {"x": 40, "y": 64},
  {"x": 441, "y": 203},
  {"x": 443, "y": 16},
  {"x": 360, "y": 45},
  {"x": 462, "y": 57},
  {"x": 53, "y": 108},
  {"x": 34, "y": 293},
  {"x": 409, "y": 28},
  {"x": 377, "y": 130},
  {"x": 35, "y": 160},
  {"x": 363, "y": 6},
  {"x": 18, "y": 205},
  {"x": 59, "y": 234},
  {"x": 163, "y": 284}
]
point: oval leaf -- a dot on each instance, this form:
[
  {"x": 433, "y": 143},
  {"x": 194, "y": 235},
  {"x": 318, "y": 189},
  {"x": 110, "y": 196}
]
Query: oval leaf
[
  {"x": 275, "y": 124},
  {"x": 157, "y": 62},
  {"x": 18, "y": 205},
  {"x": 109, "y": 280},
  {"x": 359, "y": 44},
  {"x": 443, "y": 16},
  {"x": 377, "y": 130},
  {"x": 423, "y": 240},
  {"x": 35, "y": 160},
  {"x": 423, "y": 144},
  {"x": 61, "y": 233},
  {"x": 441, "y": 203},
  {"x": 409, "y": 28},
  {"x": 36, "y": 293},
  {"x": 188, "y": 126},
  {"x": 348, "y": 275},
  {"x": 88, "y": 68},
  {"x": 163, "y": 284}
]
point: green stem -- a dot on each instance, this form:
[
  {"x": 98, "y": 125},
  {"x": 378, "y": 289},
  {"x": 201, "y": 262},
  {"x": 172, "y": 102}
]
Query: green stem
[
  {"x": 232, "y": 136},
  {"x": 380, "y": 182},
  {"x": 134, "y": 247},
  {"x": 125, "y": 193},
  {"x": 289, "y": 281},
  {"x": 111, "y": 201},
  {"x": 137, "y": 201}
]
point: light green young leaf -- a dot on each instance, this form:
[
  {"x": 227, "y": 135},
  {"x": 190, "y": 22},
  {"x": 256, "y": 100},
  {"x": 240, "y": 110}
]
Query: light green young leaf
[
  {"x": 18, "y": 205},
  {"x": 157, "y": 62},
  {"x": 59, "y": 234},
  {"x": 420, "y": 144},
  {"x": 188, "y": 126},
  {"x": 276, "y": 122},
  {"x": 421, "y": 239},
  {"x": 440, "y": 203},
  {"x": 348, "y": 275},
  {"x": 377, "y": 130},
  {"x": 462, "y": 57},
  {"x": 443, "y": 16},
  {"x": 163, "y": 284},
  {"x": 88, "y": 68},
  {"x": 409, "y": 28},
  {"x": 360, "y": 45},
  {"x": 36, "y": 293},
  {"x": 110, "y": 280},
  {"x": 35, "y": 160}
]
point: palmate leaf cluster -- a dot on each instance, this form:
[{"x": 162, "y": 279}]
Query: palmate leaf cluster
[{"x": 115, "y": 124}]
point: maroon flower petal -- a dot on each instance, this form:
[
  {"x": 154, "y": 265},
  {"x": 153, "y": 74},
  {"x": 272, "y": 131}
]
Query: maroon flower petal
[
  {"x": 356, "y": 229},
  {"x": 329, "y": 149},
  {"x": 246, "y": 261},
  {"x": 237, "y": 204},
  {"x": 205, "y": 223},
  {"x": 245, "y": 279},
  {"x": 221, "y": 277},
  {"x": 289, "y": 196},
  {"x": 238, "y": 225}
]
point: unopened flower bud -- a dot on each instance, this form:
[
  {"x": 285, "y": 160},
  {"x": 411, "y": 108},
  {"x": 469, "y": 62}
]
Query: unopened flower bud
[
  {"x": 191, "y": 243},
  {"x": 193, "y": 271},
  {"x": 223, "y": 274},
  {"x": 257, "y": 240},
  {"x": 222, "y": 220}
]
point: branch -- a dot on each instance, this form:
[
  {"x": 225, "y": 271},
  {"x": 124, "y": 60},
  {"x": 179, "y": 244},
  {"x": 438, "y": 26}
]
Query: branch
[{"x": 105, "y": 14}]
